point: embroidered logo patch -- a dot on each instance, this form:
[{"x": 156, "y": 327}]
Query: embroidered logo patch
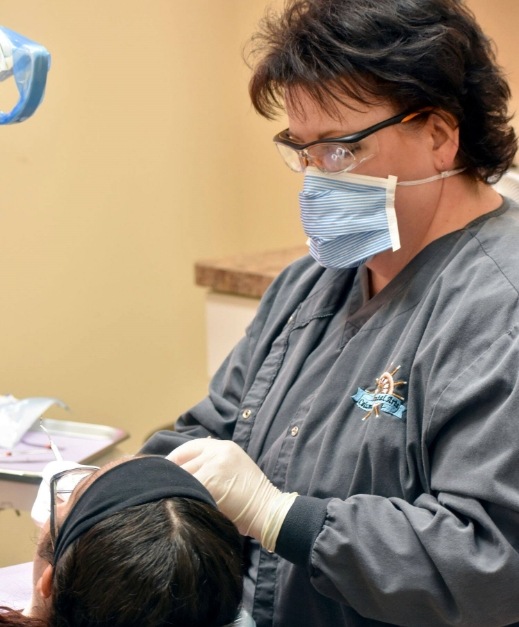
[{"x": 383, "y": 397}]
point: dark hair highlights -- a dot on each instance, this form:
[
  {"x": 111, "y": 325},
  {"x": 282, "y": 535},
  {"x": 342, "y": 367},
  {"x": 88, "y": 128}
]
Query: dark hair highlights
[
  {"x": 170, "y": 562},
  {"x": 412, "y": 53}
]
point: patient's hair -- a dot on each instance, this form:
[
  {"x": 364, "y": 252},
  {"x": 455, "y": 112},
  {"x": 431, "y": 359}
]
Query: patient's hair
[{"x": 175, "y": 561}]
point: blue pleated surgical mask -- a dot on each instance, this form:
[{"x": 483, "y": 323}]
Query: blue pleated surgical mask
[{"x": 349, "y": 218}]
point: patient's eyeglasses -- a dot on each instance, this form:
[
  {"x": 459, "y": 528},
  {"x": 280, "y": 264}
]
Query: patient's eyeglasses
[
  {"x": 337, "y": 154},
  {"x": 62, "y": 485}
]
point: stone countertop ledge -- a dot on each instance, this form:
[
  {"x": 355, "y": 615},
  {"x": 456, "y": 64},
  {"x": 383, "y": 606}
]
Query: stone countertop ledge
[{"x": 245, "y": 275}]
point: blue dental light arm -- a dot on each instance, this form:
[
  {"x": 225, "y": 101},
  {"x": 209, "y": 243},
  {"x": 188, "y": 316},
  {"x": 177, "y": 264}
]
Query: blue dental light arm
[{"x": 28, "y": 63}]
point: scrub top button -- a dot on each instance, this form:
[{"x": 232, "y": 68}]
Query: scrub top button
[
  {"x": 246, "y": 414},
  {"x": 294, "y": 431}
]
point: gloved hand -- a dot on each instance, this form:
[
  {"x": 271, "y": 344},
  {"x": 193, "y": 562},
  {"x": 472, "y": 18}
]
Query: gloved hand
[{"x": 241, "y": 490}]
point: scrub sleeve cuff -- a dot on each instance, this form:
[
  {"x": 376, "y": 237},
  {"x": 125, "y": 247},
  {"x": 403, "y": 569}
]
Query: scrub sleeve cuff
[{"x": 302, "y": 525}]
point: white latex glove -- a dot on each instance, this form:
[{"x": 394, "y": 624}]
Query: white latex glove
[{"x": 241, "y": 490}]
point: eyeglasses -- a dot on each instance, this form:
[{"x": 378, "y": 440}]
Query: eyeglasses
[
  {"x": 62, "y": 484},
  {"x": 337, "y": 154}
]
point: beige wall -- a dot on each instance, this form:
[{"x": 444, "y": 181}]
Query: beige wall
[
  {"x": 500, "y": 19},
  {"x": 144, "y": 157}
]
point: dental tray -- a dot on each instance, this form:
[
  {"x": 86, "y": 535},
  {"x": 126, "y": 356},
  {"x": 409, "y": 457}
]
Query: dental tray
[{"x": 77, "y": 441}]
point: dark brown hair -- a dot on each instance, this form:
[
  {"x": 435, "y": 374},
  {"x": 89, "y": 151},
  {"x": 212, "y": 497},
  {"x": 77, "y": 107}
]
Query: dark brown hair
[
  {"x": 412, "y": 53},
  {"x": 173, "y": 562}
]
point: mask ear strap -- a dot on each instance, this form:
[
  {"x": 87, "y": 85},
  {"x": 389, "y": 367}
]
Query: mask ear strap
[
  {"x": 437, "y": 177},
  {"x": 391, "y": 213}
]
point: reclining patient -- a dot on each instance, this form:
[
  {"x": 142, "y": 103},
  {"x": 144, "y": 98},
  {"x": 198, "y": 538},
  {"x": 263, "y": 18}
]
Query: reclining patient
[{"x": 139, "y": 542}]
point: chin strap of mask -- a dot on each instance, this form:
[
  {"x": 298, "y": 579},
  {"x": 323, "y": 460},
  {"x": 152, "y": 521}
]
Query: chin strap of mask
[{"x": 28, "y": 64}]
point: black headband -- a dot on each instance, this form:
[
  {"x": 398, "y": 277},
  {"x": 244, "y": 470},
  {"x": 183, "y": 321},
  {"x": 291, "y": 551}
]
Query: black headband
[{"x": 134, "y": 482}]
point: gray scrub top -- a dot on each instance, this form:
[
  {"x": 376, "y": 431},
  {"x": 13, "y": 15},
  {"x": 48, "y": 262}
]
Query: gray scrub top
[{"x": 396, "y": 419}]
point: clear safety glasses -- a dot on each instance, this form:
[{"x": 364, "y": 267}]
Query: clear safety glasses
[
  {"x": 337, "y": 154},
  {"x": 27, "y": 64}
]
